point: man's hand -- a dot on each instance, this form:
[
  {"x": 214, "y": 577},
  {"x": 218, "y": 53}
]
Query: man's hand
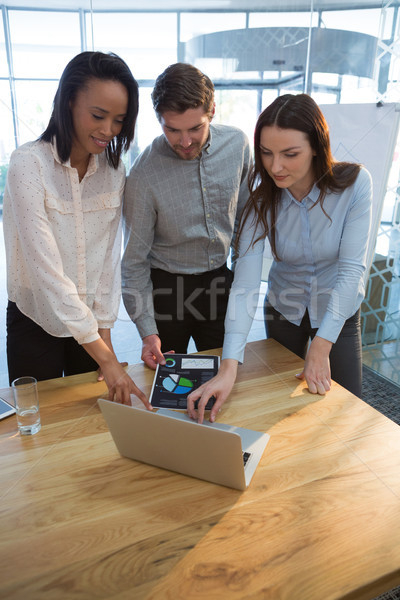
[
  {"x": 317, "y": 371},
  {"x": 151, "y": 351},
  {"x": 219, "y": 386}
]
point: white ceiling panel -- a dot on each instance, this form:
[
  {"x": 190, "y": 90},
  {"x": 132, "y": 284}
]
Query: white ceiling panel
[{"x": 204, "y": 5}]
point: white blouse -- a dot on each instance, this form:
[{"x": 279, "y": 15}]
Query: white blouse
[{"x": 63, "y": 241}]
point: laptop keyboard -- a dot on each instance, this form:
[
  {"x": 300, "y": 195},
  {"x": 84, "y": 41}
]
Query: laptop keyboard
[{"x": 246, "y": 456}]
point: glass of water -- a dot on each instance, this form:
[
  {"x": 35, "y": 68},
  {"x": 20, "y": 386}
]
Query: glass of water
[{"x": 27, "y": 405}]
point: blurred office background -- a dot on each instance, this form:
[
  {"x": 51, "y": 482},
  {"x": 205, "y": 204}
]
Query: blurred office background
[{"x": 339, "y": 52}]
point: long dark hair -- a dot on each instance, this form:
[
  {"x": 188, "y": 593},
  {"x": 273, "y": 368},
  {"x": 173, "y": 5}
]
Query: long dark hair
[
  {"x": 299, "y": 112},
  {"x": 77, "y": 73}
]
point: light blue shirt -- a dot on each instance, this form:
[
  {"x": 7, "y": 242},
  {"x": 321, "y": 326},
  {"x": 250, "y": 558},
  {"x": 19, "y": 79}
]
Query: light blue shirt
[{"x": 321, "y": 267}]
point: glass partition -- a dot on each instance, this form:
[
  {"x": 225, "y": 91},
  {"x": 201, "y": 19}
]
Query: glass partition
[
  {"x": 34, "y": 101},
  {"x": 284, "y": 19},
  {"x": 3, "y": 55},
  {"x": 201, "y": 23},
  {"x": 361, "y": 20},
  {"x": 237, "y": 108},
  {"x": 7, "y": 141}
]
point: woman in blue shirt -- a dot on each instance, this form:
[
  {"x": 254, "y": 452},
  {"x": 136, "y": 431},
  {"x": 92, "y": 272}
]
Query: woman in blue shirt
[{"x": 316, "y": 214}]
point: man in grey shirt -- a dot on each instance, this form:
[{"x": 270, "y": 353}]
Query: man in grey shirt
[{"x": 183, "y": 199}]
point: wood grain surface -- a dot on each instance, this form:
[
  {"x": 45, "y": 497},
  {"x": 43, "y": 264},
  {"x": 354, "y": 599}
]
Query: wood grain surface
[{"x": 320, "y": 520}]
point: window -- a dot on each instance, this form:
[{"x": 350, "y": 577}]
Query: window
[
  {"x": 43, "y": 42},
  {"x": 7, "y": 141},
  {"x": 34, "y": 103},
  {"x": 146, "y": 41}
]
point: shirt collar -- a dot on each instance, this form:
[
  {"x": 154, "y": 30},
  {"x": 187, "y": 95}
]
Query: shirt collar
[
  {"x": 207, "y": 146},
  {"x": 93, "y": 161},
  {"x": 309, "y": 200}
]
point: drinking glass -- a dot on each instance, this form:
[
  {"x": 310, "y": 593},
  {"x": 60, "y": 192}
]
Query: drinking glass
[{"x": 27, "y": 405}]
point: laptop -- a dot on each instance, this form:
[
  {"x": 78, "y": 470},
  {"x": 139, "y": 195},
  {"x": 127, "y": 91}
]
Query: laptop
[{"x": 216, "y": 452}]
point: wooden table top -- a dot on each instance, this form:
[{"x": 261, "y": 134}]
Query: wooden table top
[{"x": 320, "y": 520}]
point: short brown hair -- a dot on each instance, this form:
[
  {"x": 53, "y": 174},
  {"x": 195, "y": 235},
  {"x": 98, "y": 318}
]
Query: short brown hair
[{"x": 180, "y": 87}]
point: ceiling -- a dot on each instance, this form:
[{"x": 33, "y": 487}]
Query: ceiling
[{"x": 201, "y": 5}]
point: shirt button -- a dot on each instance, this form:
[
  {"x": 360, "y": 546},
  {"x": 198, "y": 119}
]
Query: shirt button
[
  {"x": 212, "y": 241},
  {"x": 208, "y": 215}
]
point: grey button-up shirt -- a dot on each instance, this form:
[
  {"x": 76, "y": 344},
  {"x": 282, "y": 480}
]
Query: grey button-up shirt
[{"x": 180, "y": 215}]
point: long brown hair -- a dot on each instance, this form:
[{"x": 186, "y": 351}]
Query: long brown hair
[{"x": 299, "y": 112}]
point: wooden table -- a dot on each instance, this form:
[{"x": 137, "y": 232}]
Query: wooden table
[{"x": 320, "y": 520}]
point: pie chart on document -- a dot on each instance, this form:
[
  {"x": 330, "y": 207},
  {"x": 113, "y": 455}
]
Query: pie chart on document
[{"x": 177, "y": 384}]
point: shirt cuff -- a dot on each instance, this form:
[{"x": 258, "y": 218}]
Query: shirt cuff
[
  {"x": 105, "y": 324},
  {"x": 330, "y": 327},
  {"x": 87, "y": 339},
  {"x": 146, "y": 325},
  {"x": 234, "y": 346}
]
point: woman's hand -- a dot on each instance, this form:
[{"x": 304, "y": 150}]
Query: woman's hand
[
  {"x": 105, "y": 335},
  {"x": 119, "y": 383},
  {"x": 100, "y": 376},
  {"x": 219, "y": 386},
  {"x": 121, "y": 386},
  {"x": 317, "y": 370}
]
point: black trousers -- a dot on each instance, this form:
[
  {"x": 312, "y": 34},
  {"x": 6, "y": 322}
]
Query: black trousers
[
  {"x": 345, "y": 356},
  {"x": 34, "y": 352},
  {"x": 188, "y": 306}
]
